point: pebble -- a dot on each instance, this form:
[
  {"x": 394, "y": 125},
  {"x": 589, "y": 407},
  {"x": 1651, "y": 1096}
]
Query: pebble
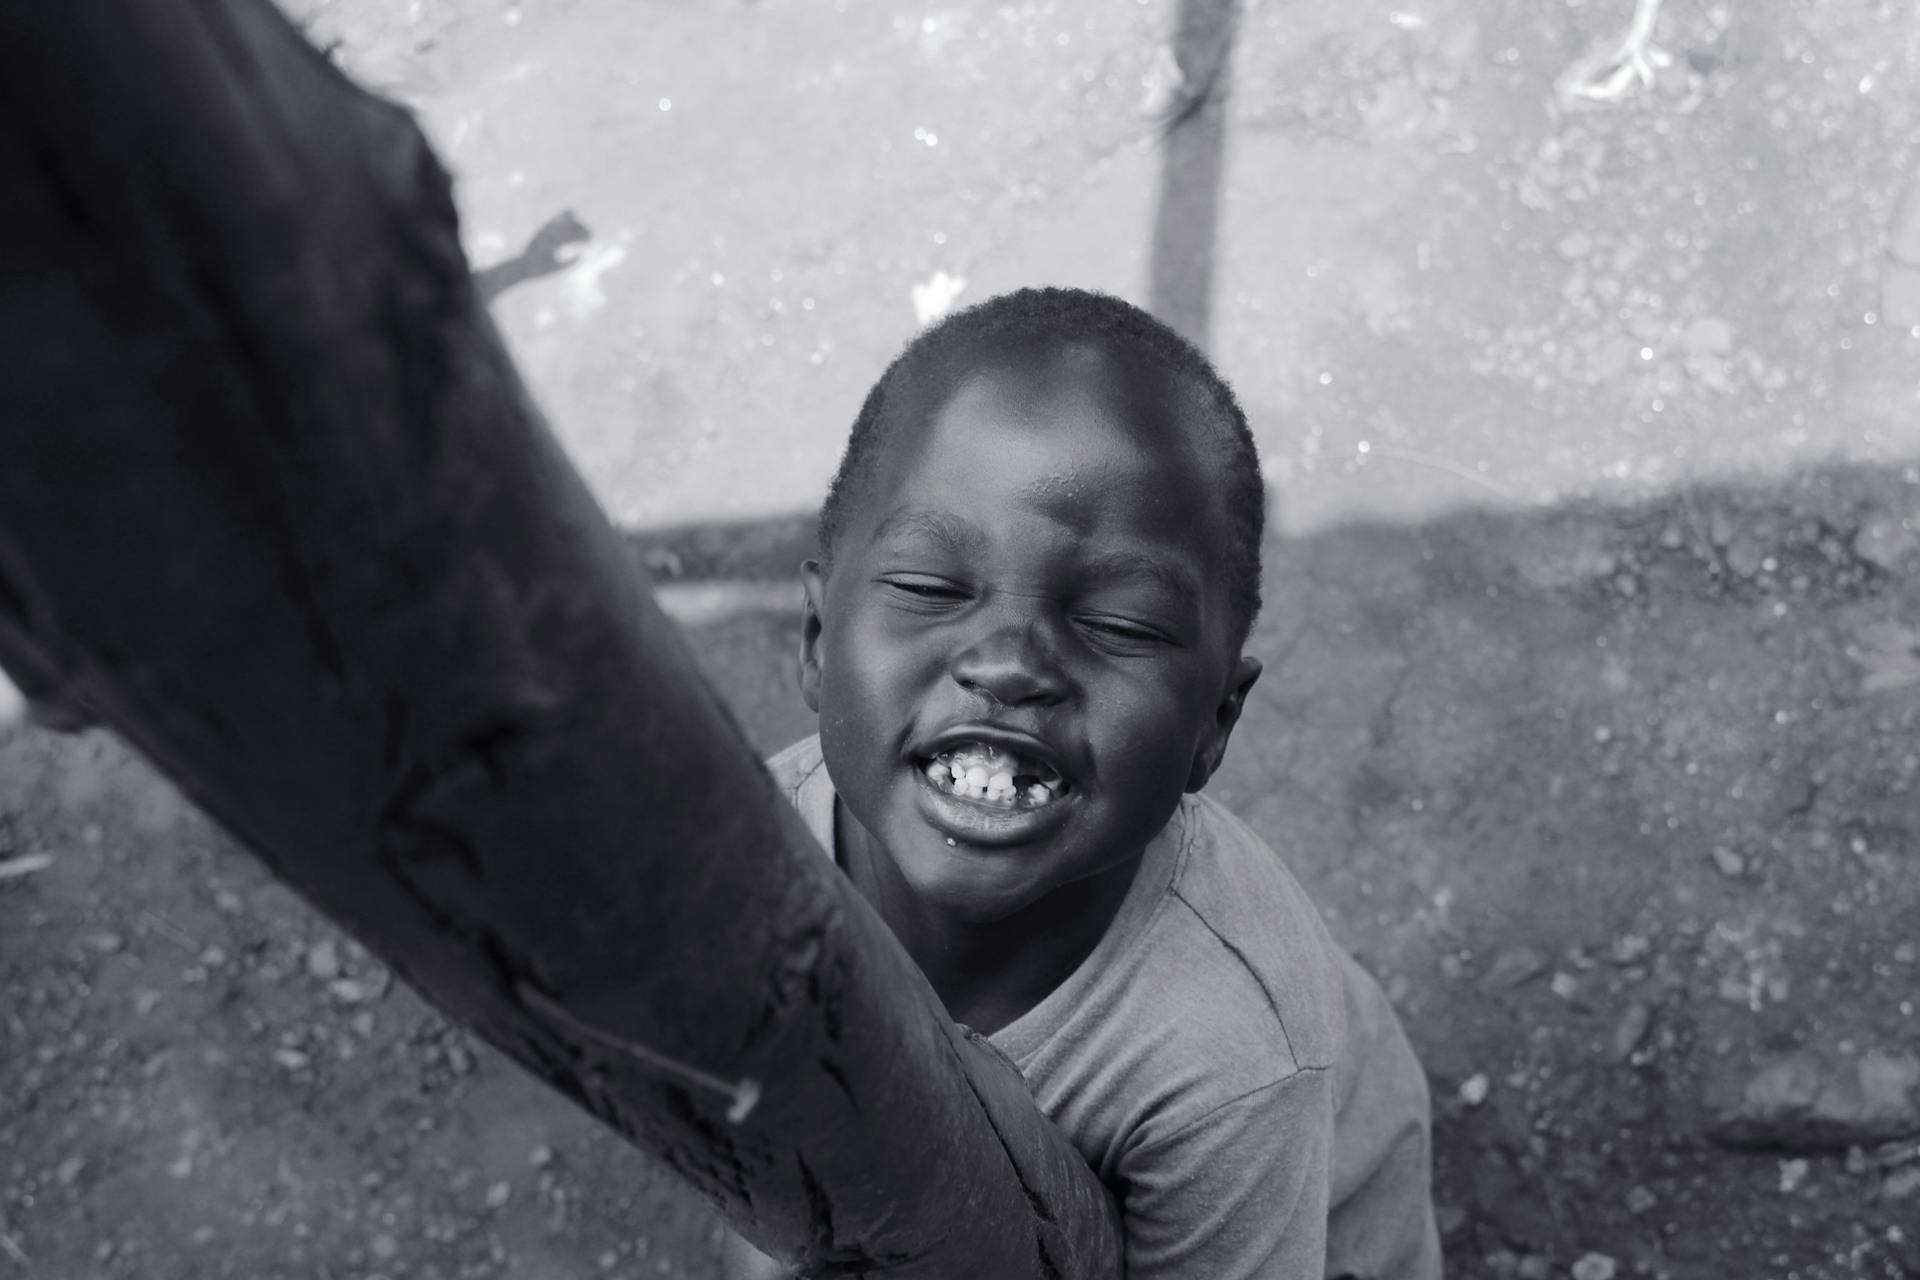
[
  {"x": 353, "y": 991},
  {"x": 1512, "y": 967},
  {"x": 323, "y": 960},
  {"x": 1630, "y": 1030},
  {"x": 69, "y": 1170},
  {"x": 498, "y": 1194},
  {"x": 291, "y": 1059},
  {"x": 1640, "y": 1199},
  {"x": 1730, "y": 863},
  {"x": 1630, "y": 947},
  {"x": 1474, "y": 1089},
  {"x": 1814, "y": 1101},
  {"x": 1593, "y": 1266}
]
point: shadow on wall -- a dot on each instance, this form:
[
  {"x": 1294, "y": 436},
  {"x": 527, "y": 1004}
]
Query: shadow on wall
[{"x": 1620, "y": 803}]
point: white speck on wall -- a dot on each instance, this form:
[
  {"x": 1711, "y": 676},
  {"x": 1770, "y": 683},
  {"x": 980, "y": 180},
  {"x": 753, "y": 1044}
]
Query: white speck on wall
[
  {"x": 936, "y": 296},
  {"x": 581, "y": 284}
]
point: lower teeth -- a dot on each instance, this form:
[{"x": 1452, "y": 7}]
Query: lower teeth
[{"x": 998, "y": 789}]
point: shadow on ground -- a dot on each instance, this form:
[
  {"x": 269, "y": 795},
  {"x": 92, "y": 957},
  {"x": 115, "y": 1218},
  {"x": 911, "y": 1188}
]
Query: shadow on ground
[{"x": 1619, "y": 803}]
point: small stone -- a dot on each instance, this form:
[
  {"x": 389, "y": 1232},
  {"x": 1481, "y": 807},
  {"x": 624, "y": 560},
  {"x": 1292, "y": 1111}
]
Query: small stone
[
  {"x": 106, "y": 942},
  {"x": 1593, "y": 1266},
  {"x": 1510, "y": 968},
  {"x": 1905, "y": 953},
  {"x": 1886, "y": 542},
  {"x": 1474, "y": 1089},
  {"x": 69, "y": 1170},
  {"x": 1901, "y": 1183},
  {"x": 541, "y": 1156},
  {"x": 1792, "y": 1174},
  {"x": 1565, "y": 985},
  {"x": 1812, "y": 1101},
  {"x": 291, "y": 1059},
  {"x": 1730, "y": 863},
  {"x": 1630, "y": 947},
  {"x": 144, "y": 1001},
  {"x": 1640, "y": 1199},
  {"x": 1630, "y": 1030},
  {"x": 384, "y": 1246},
  {"x": 498, "y": 1194},
  {"x": 362, "y": 1024},
  {"x": 228, "y": 901},
  {"x": 323, "y": 960}
]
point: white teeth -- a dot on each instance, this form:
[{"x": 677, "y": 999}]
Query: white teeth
[{"x": 995, "y": 786}]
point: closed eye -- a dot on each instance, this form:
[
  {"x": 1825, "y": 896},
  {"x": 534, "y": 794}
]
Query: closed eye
[
  {"x": 1124, "y": 629},
  {"x": 920, "y": 587}
]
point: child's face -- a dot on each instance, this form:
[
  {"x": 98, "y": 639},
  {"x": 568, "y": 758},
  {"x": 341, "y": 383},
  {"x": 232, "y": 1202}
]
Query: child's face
[{"x": 1039, "y": 569}]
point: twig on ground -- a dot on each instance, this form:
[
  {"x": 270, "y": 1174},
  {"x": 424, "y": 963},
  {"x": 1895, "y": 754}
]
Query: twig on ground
[
  {"x": 171, "y": 931},
  {"x": 24, "y": 865},
  {"x": 14, "y": 1251}
]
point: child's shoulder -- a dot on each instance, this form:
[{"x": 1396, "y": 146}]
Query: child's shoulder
[
  {"x": 1239, "y": 951},
  {"x": 1217, "y": 981}
]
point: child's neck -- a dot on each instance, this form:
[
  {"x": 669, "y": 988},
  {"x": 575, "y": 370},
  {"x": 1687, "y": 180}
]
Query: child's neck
[{"x": 989, "y": 973}]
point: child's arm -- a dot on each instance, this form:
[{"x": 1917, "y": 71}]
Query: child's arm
[{"x": 1238, "y": 1194}]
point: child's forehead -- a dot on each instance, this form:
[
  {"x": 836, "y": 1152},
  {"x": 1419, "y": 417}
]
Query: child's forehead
[{"x": 1082, "y": 383}]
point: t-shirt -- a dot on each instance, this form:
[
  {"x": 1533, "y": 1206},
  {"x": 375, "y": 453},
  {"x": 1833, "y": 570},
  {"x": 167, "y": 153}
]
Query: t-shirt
[{"x": 1234, "y": 1077}]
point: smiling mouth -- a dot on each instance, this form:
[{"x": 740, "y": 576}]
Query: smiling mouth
[{"x": 995, "y": 778}]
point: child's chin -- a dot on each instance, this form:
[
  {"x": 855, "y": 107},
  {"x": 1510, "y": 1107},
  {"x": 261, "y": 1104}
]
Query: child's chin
[{"x": 967, "y": 887}]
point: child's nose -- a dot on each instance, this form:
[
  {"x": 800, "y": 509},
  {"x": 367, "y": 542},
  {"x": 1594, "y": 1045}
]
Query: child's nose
[{"x": 1013, "y": 666}]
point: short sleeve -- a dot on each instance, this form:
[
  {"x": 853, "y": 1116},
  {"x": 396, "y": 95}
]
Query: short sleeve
[{"x": 1240, "y": 1193}]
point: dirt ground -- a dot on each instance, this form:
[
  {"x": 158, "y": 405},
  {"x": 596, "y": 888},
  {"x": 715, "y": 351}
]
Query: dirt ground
[{"x": 1592, "y": 714}]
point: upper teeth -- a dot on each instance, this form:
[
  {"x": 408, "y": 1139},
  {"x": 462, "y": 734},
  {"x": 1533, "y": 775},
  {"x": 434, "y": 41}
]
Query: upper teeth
[{"x": 983, "y": 772}]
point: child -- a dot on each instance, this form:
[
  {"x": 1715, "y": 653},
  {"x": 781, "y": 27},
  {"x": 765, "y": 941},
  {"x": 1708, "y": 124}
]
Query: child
[{"x": 1038, "y": 564}]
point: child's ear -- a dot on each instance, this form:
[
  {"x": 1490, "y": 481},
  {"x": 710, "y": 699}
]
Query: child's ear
[
  {"x": 1213, "y": 745},
  {"x": 814, "y": 583}
]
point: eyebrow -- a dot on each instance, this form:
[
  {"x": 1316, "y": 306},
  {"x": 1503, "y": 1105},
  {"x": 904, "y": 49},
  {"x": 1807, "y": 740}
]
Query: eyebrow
[
  {"x": 955, "y": 532},
  {"x": 958, "y": 534},
  {"x": 1132, "y": 564}
]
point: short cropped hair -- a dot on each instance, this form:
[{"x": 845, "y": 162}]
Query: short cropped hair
[{"x": 1037, "y": 321}]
